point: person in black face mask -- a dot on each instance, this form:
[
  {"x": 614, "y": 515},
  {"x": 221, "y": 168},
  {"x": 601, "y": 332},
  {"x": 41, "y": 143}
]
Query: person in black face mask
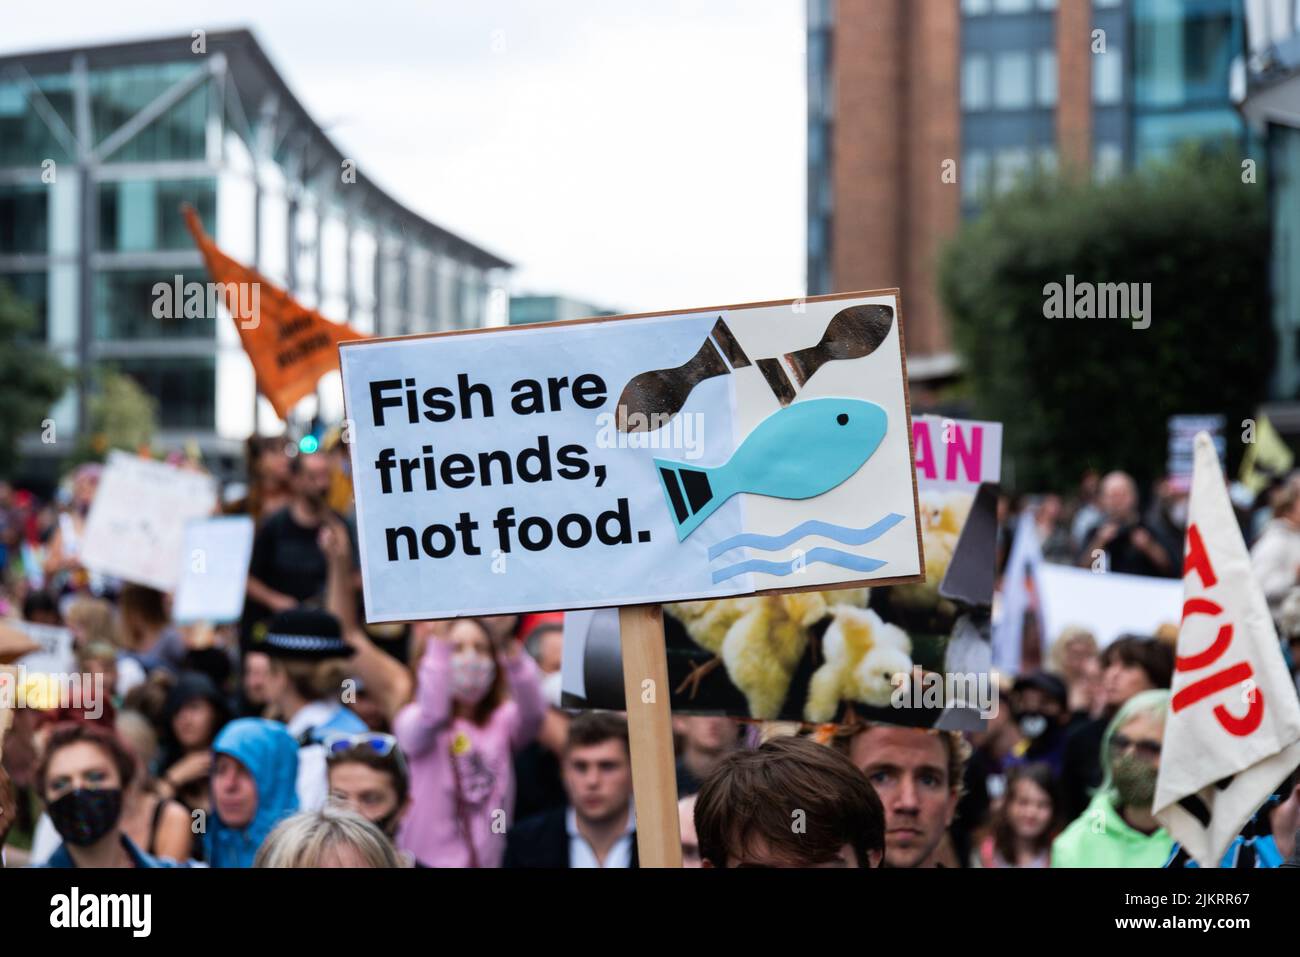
[
  {"x": 368, "y": 774},
  {"x": 1038, "y": 703},
  {"x": 81, "y": 776}
]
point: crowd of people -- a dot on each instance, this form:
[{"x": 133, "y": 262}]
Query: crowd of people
[{"x": 300, "y": 736}]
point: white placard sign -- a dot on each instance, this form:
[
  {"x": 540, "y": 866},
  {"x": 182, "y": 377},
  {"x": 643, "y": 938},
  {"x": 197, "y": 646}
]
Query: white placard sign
[
  {"x": 214, "y": 569},
  {"x": 56, "y": 655},
  {"x": 137, "y": 522},
  {"x": 1106, "y": 603},
  {"x": 700, "y": 454}
]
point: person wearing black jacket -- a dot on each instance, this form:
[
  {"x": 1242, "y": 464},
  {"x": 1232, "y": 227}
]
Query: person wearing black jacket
[{"x": 598, "y": 828}]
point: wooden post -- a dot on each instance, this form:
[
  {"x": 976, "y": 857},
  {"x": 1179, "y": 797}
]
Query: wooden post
[{"x": 650, "y": 734}]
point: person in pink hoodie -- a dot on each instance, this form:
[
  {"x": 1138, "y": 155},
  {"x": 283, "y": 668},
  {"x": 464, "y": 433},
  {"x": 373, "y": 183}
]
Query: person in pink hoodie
[{"x": 475, "y": 706}]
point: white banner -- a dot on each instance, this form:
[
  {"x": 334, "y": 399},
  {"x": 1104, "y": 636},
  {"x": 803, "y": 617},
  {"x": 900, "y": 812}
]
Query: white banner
[{"x": 1108, "y": 604}]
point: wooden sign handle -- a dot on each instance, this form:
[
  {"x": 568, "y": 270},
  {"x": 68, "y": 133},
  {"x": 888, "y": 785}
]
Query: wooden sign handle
[{"x": 650, "y": 735}]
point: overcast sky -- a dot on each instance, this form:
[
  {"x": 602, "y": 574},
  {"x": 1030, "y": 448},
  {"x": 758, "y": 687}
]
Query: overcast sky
[{"x": 644, "y": 154}]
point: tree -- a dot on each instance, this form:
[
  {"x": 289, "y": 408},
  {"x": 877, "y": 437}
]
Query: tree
[
  {"x": 1075, "y": 393},
  {"x": 122, "y": 416},
  {"x": 31, "y": 378}
]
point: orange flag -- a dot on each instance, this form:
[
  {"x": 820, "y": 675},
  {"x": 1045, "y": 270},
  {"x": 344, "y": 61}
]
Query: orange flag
[{"x": 290, "y": 346}]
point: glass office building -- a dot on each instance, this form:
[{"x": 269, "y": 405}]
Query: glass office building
[
  {"x": 1182, "y": 61},
  {"x": 527, "y": 309},
  {"x": 99, "y": 146},
  {"x": 1271, "y": 105}
]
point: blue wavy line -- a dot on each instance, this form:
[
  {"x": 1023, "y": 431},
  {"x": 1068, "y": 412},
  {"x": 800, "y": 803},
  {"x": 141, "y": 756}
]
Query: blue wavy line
[
  {"x": 841, "y": 534},
  {"x": 831, "y": 556}
]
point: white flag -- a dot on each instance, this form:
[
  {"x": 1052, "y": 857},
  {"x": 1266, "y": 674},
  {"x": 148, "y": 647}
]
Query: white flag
[{"x": 1233, "y": 731}]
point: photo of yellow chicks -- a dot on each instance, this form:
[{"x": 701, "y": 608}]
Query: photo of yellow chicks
[
  {"x": 862, "y": 656},
  {"x": 760, "y": 640},
  {"x": 943, "y": 514}
]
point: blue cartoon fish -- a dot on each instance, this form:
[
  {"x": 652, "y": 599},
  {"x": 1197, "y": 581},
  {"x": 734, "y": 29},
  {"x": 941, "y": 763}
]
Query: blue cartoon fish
[{"x": 803, "y": 450}]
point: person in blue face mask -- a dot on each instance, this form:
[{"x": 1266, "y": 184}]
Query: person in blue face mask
[{"x": 254, "y": 769}]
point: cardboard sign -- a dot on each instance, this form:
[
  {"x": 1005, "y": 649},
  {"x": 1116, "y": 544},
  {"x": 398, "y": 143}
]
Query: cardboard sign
[
  {"x": 703, "y": 454},
  {"x": 137, "y": 522},
  {"x": 214, "y": 570},
  {"x": 822, "y": 656}
]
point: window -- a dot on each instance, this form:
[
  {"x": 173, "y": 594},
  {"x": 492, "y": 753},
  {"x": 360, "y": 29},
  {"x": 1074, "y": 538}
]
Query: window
[
  {"x": 25, "y": 139},
  {"x": 185, "y": 388},
  {"x": 124, "y": 305},
  {"x": 975, "y": 8},
  {"x": 33, "y": 289},
  {"x": 1012, "y": 6},
  {"x": 1011, "y": 80},
  {"x": 1108, "y": 161},
  {"x": 974, "y": 176},
  {"x": 139, "y": 215},
  {"x": 1045, "y": 79},
  {"x": 24, "y": 218},
  {"x": 118, "y": 94},
  {"x": 1012, "y": 164},
  {"x": 1108, "y": 77},
  {"x": 1047, "y": 160},
  {"x": 975, "y": 82}
]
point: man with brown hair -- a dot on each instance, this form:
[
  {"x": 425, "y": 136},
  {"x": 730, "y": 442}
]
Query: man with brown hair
[
  {"x": 788, "y": 803},
  {"x": 918, "y": 775},
  {"x": 598, "y": 828}
]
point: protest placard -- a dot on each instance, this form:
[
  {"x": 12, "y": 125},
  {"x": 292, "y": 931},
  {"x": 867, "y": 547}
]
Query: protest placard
[
  {"x": 54, "y": 654},
  {"x": 814, "y": 656},
  {"x": 1107, "y": 604},
  {"x": 630, "y": 460},
  {"x": 136, "y": 524},
  {"x": 214, "y": 570}
]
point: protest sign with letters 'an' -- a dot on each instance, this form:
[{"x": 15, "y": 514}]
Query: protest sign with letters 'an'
[
  {"x": 635, "y": 459},
  {"x": 1233, "y": 731}
]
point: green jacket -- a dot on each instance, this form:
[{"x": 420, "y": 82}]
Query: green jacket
[{"x": 1100, "y": 837}]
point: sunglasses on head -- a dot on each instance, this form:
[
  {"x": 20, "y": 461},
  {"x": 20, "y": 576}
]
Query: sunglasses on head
[{"x": 382, "y": 744}]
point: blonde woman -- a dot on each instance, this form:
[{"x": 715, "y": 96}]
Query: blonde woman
[{"x": 333, "y": 836}]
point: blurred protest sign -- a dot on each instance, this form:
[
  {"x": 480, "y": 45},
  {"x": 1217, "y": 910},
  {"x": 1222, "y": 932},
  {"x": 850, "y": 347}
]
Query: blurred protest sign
[
  {"x": 214, "y": 570},
  {"x": 633, "y": 459},
  {"x": 53, "y": 652},
  {"x": 1107, "y": 604},
  {"x": 289, "y": 345},
  {"x": 137, "y": 522},
  {"x": 813, "y": 656},
  {"x": 1266, "y": 459},
  {"x": 1233, "y": 731},
  {"x": 1182, "y": 432}
]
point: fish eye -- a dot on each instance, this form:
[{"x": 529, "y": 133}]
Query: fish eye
[{"x": 842, "y": 419}]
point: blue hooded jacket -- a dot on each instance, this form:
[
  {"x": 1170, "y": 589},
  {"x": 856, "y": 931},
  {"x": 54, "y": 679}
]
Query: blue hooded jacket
[{"x": 270, "y": 754}]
